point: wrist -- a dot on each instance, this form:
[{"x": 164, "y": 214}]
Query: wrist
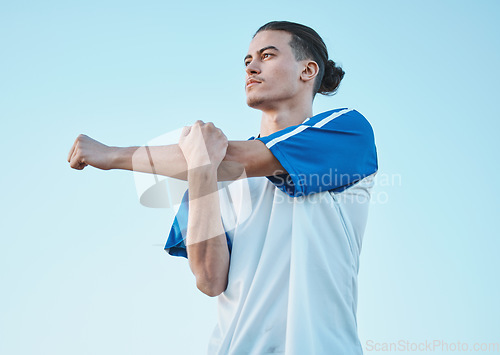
[
  {"x": 202, "y": 181},
  {"x": 120, "y": 157},
  {"x": 202, "y": 168},
  {"x": 204, "y": 171}
]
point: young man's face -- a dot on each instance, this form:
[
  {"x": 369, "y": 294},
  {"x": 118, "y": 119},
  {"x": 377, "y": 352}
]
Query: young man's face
[{"x": 272, "y": 73}]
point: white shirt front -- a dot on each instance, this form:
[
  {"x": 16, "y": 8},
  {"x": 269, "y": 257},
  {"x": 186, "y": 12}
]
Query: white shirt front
[{"x": 292, "y": 285}]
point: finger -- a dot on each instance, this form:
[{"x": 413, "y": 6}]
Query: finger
[
  {"x": 199, "y": 123},
  {"x": 75, "y": 151},
  {"x": 220, "y": 133},
  {"x": 74, "y": 163},
  {"x": 80, "y": 166},
  {"x": 77, "y": 160},
  {"x": 186, "y": 130},
  {"x": 72, "y": 150}
]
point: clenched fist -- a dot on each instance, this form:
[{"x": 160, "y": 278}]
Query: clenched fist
[
  {"x": 88, "y": 151},
  {"x": 203, "y": 144}
]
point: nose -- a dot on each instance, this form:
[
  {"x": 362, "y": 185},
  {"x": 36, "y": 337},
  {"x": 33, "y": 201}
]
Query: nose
[{"x": 252, "y": 68}]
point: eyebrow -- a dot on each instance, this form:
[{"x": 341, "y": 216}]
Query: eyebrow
[{"x": 262, "y": 50}]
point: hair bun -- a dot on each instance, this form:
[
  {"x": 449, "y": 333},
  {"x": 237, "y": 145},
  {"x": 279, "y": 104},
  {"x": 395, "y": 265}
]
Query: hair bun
[{"x": 331, "y": 78}]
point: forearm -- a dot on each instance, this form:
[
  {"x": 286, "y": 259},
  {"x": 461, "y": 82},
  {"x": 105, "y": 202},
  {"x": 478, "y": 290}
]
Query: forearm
[
  {"x": 207, "y": 249},
  {"x": 168, "y": 160}
]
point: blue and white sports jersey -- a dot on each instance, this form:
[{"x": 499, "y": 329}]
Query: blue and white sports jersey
[{"x": 295, "y": 242}]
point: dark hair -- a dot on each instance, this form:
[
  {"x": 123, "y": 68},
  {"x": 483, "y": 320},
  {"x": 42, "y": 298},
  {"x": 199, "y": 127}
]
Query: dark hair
[{"x": 307, "y": 44}]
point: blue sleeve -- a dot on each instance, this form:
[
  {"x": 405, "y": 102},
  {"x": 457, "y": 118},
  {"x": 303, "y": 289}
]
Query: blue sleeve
[
  {"x": 175, "y": 244},
  {"x": 329, "y": 151}
]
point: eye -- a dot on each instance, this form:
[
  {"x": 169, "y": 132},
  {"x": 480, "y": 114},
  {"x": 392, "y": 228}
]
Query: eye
[
  {"x": 246, "y": 63},
  {"x": 266, "y": 55}
]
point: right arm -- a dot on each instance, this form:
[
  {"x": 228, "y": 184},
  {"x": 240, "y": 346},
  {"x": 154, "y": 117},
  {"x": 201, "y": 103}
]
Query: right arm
[{"x": 243, "y": 159}]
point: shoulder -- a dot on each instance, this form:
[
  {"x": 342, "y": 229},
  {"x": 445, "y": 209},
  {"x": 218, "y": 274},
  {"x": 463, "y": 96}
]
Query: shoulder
[
  {"x": 341, "y": 120},
  {"x": 329, "y": 115}
]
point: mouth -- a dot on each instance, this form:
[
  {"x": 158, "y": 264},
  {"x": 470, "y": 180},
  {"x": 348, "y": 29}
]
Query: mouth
[{"x": 252, "y": 82}]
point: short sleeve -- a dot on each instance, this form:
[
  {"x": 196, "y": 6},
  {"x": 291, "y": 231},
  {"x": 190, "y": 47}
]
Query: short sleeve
[
  {"x": 329, "y": 151},
  {"x": 175, "y": 244}
]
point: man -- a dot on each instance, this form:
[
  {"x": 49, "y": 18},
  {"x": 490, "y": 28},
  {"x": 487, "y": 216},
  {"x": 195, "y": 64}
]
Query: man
[{"x": 286, "y": 273}]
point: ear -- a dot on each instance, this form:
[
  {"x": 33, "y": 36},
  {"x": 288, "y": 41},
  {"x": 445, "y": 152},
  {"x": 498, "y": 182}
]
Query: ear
[{"x": 309, "y": 71}]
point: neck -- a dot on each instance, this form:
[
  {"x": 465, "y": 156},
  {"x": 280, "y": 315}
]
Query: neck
[{"x": 278, "y": 118}]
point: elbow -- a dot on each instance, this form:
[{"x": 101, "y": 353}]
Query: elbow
[
  {"x": 211, "y": 286},
  {"x": 211, "y": 272},
  {"x": 211, "y": 281}
]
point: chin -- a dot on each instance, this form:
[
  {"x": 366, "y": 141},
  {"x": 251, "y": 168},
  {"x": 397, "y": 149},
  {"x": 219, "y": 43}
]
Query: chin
[{"x": 255, "y": 102}]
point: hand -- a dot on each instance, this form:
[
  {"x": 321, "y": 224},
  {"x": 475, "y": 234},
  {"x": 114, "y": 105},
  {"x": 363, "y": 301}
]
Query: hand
[
  {"x": 88, "y": 151},
  {"x": 203, "y": 144}
]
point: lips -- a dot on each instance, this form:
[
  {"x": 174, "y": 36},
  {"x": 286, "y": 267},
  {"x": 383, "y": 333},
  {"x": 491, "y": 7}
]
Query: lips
[{"x": 252, "y": 82}]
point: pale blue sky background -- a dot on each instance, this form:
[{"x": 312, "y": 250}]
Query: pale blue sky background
[{"x": 82, "y": 268}]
